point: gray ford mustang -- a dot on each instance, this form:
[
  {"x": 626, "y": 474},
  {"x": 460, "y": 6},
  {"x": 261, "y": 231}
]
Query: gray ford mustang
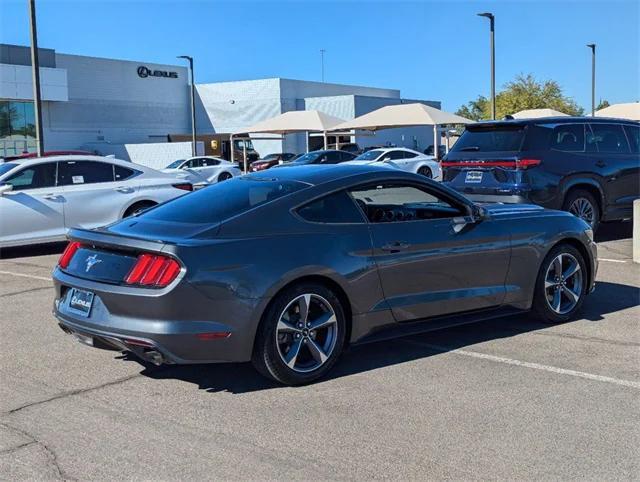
[{"x": 287, "y": 268}]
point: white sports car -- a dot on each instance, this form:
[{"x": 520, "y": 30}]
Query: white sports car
[
  {"x": 205, "y": 169},
  {"x": 402, "y": 158},
  {"x": 41, "y": 198}
]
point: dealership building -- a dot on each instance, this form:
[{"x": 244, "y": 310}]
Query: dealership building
[{"x": 103, "y": 105}]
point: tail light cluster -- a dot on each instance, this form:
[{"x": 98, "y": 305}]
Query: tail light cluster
[
  {"x": 515, "y": 164},
  {"x": 150, "y": 270},
  {"x": 153, "y": 270}
]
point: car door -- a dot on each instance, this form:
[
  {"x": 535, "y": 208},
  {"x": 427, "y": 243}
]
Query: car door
[
  {"x": 34, "y": 209},
  {"x": 393, "y": 158},
  {"x": 209, "y": 168},
  {"x": 331, "y": 157},
  {"x": 618, "y": 166},
  {"x": 93, "y": 197},
  {"x": 432, "y": 258}
]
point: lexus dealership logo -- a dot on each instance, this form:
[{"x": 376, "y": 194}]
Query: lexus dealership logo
[{"x": 144, "y": 72}]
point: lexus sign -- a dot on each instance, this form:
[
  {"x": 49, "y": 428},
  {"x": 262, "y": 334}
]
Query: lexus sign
[{"x": 144, "y": 72}]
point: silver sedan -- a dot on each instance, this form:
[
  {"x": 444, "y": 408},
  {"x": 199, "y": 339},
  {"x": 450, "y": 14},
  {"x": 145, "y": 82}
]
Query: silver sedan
[{"x": 43, "y": 197}]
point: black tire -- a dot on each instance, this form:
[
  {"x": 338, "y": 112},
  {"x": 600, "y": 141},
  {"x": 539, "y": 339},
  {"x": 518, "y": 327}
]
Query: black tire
[
  {"x": 137, "y": 208},
  {"x": 542, "y": 299},
  {"x": 578, "y": 198},
  {"x": 426, "y": 172},
  {"x": 224, "y": 176},
  {"x": 267, "y": 354}
]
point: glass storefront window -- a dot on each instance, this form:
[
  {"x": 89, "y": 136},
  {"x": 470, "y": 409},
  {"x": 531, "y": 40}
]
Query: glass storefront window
[{"x": 17, "y": 128}]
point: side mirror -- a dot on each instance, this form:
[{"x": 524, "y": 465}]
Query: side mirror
[
  {"x": 5, "y": 188},
  {"x": 475, "y": 215}
]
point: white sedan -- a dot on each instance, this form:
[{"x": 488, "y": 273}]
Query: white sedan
[
  {"x": 41, "y": 198},
  {"x": 402, "y": 158},
  {"x": 206, "y": 169}
]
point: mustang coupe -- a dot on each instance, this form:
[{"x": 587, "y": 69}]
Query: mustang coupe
[{"x": 288, "y": 268}]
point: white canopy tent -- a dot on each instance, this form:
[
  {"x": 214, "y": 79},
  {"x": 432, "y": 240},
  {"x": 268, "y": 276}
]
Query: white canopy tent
[
  {"x": 292, "y": 122},
  {"x": 404, "y": 115},
  {"x": 629, "y": 110},
  {"x": 538, "y": 113}
]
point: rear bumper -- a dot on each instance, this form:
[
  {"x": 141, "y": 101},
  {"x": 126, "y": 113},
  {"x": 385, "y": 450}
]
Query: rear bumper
[{"x": 174, "y": 327}]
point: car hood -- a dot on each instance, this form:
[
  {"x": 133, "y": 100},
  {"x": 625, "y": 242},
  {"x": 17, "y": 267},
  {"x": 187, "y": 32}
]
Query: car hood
[{"x": 499, "y": 209}]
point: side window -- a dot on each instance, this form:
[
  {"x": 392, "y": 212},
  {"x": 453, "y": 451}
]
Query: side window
[
  {"x": 568, "y": 138},
  {"x": 191, "y": 163},
  {"x": 393, "y": 155},
  {"x": 403, "y": 202},
  {"x": 121, "y": 173},
  {"x": 209, "y": 162},
  {"x": 84, "y": 172},
  {"x": 409, "y": 155},
  {"x": 34, "y": 177},
  {"x": 332, "y": 158},
  {"x": 336, "y": 208},
  {"x": 346, "y": 156},
  {"x": 633, "y": 134},
  {"x": 610, "y": 138}
]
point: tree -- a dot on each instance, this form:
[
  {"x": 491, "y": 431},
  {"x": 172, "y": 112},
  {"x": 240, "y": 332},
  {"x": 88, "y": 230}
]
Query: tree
[
  {"x": 602, "y": 104},
  {"x": 524, "y": 92}
]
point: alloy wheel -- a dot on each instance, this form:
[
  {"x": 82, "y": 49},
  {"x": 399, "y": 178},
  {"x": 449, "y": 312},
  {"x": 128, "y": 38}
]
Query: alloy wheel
[
  {"x": 563, "y": 283},
  {"x": 582, "y": 208},
  {"x": 306, "y": 333}
]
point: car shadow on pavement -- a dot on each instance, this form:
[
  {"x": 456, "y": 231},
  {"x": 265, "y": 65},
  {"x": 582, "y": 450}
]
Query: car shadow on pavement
[
  {"x": 32, "y": 250},
  {"x": 614, "y": 231},
  {"x": 240, "y": 378}
]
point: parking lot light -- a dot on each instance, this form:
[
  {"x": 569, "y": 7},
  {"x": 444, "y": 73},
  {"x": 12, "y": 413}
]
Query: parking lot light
[
  {"x": 593, "y": 78},
  {"x": 193, "y": 105},
  {"x": 492, "y": 20}
]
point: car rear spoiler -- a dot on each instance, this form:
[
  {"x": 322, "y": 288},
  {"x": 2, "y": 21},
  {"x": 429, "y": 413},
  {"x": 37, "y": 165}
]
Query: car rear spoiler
[{"x": 100, "y": 238}]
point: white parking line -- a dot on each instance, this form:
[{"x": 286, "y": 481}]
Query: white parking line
[
  {"x": 22, "y": 275},
  {"x": 535, "y": 366},
  {"x": 613, "y": 260}
]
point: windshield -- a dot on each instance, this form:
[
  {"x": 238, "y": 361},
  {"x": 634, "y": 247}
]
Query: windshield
[
  {"x": 175, "y": 164},
  {"x": 241, "y": 144},
  {"x": 308, "y": 158},
  {"x": 6, "y": 167},
  {"x": 222, "y": 200},
  {"x": 270, "y": 157},
  {"x": 499, "y": 138},
  {"x": 368, "y": 156}
]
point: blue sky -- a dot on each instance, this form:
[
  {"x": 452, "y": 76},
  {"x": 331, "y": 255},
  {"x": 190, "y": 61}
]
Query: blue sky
[{"x": 427, "y": 49}]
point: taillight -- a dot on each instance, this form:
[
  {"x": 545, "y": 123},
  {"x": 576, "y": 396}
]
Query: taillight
[
  {"x": 184, "y": 186},
  {"x": 68, "y": 253},
  {"x": 153, "y": 270},
  {"x": 515, "y": 164}
]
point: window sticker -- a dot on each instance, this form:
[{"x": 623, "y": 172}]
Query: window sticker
[{"x": 77, "y": 179}]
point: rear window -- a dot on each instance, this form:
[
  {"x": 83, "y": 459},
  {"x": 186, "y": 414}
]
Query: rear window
[
  {"x": 222, "y": 201},
  {"x": 336, "y": 208},
  {"x": 494, "y": 139}
]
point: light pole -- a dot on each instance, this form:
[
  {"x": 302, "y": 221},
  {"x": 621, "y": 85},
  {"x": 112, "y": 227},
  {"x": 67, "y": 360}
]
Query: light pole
[
  {"x": 322, "y": 51},
  {"x": 193, "y": 105},
  {"x": 35, "y": 73},
  {"x": 593, "y": 78},
  {"x": 492, "y": 21}
]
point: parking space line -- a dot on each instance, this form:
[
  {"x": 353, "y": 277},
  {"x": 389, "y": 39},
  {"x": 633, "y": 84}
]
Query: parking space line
[
  {"x": 613, "y": 260},
  {"x": 535, "y": 366},
  {"x": 23, "y": 275}
]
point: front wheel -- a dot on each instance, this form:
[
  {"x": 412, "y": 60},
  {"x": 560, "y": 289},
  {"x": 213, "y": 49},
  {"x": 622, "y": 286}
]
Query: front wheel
[
  {"x": 561, "y": 285},
  {"x": 301, "y": 336}
]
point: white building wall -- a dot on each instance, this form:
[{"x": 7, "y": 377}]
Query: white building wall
[
  {"x": 16, "y": 83},
  {"x": 108, "y": 103}
]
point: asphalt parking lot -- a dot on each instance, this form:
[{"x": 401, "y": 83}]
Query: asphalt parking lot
[{"x": 505, "y": 399}]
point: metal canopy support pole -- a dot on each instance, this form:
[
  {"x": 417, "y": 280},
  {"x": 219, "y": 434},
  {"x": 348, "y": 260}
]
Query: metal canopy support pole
[
  {"x": 231, "y": 146},
  {"x": 35, "y": 72},
  {"x": 436, "y": 140},
  {"x": 244, "y": 153},
  {"x": 324, "y": 135},
  {"x": 593, "y": 79},
  {"x": 306, "y": 138}
]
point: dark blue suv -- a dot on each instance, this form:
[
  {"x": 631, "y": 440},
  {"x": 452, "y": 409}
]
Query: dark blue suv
[{"x": 588, "y": 166}]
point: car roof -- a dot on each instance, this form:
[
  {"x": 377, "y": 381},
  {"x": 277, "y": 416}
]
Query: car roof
[
  {"x": 548, "y": 120},
  {"x": 320, "y": 174},
  {"x": 40, "y": 160}
]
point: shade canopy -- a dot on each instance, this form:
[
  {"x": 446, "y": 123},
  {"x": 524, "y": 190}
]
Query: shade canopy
[
  {"x": 629, "y": 110},
  {"x": 402, "y": 115},
  {"x": 537, "y": 113},
  {"x": 294, "y": 121}
]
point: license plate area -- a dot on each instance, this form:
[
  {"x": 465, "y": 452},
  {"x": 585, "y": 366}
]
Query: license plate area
[
  {"x": 80, "y": 301},
  {"x": 473, "y": 177}
]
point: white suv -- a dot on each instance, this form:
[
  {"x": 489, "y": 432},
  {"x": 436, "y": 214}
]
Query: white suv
[
  {"x": 402, "y": 158},
  {"x": 43, "y": 197}
]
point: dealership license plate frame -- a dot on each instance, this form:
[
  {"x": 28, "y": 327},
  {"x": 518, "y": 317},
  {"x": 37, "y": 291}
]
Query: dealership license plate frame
[
  {"x": 81, "y": 301},
  {"x": 473, "y": 177}
]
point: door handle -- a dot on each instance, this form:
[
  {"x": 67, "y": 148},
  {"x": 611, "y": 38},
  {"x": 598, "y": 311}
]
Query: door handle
[
  {"x": 600, "y": 163},
  {"x": 51, "y": 197},
  {"x": 395, "y": 247},
  {"x": 125, "y": 190}
]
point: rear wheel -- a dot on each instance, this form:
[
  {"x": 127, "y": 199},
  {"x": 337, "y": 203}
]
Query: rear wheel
[
  {"x": 561, "y": 285},
  {"x": 584, "y": 205},
  {"x": 137, "y": 208},
  {"x": 426, "y": 172},
  {"x": 224, "y": 176},
  {"x": 301, "y": 335}
]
